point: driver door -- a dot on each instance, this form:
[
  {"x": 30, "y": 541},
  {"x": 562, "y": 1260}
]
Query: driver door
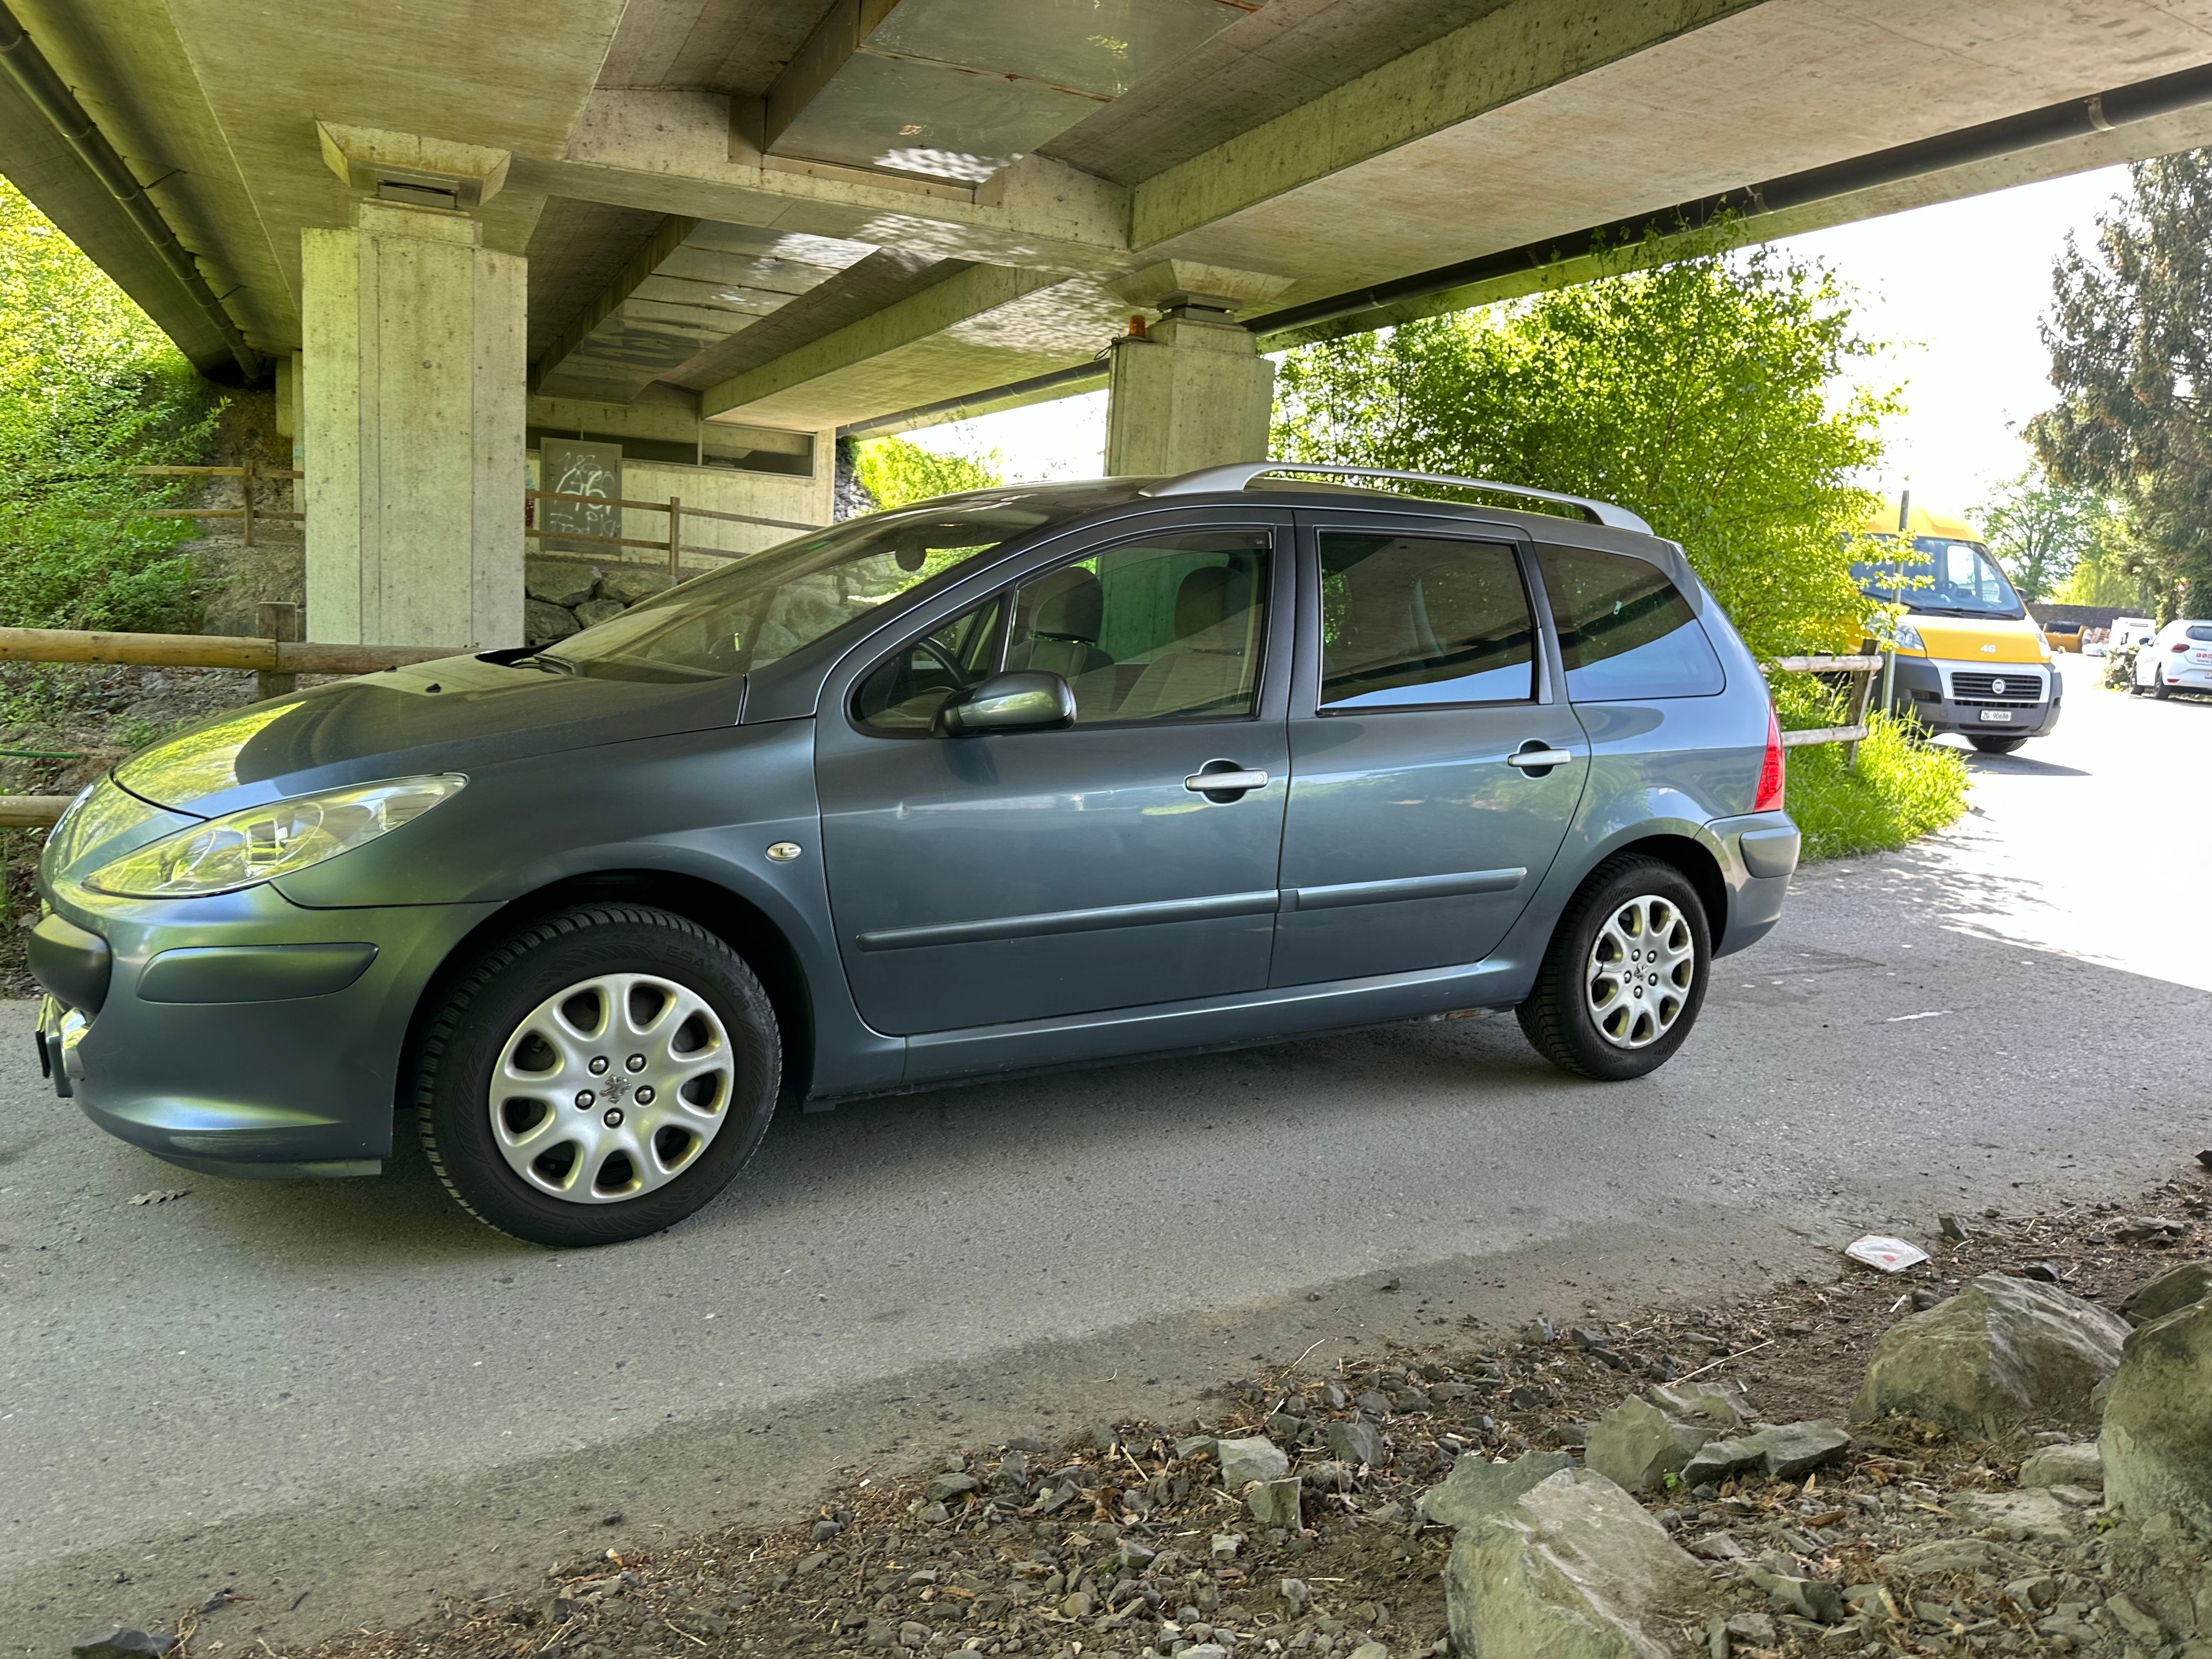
[{"x": 1025, "y": 875}]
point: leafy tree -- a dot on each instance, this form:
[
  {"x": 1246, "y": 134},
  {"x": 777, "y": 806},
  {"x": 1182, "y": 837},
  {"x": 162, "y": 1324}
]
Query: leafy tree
[
  {"x": 1697, "y": 393},
  {"x": 896, "y": 472},
  {"x": 2041, "y": 530},
  {"x": 2129, "y": 333},
  {"x": 2100, "y": 580},
  {"x": 89, "y": 387}
]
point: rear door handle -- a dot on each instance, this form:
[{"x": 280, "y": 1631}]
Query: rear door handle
[
  {"x": 1533, "y": 757},
  {"x": 1209, "y": 783}
]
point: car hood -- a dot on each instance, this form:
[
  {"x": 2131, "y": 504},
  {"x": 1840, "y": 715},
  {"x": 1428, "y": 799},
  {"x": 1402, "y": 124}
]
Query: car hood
[{"x": 444, "y": 716}]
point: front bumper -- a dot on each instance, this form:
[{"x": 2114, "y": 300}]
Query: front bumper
[
  {"x": 242, "y": 1034},
  {"x": 1964, "y": 697}
]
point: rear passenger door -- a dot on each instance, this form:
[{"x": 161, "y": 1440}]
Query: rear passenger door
[{"x": 1434, "y": 768}]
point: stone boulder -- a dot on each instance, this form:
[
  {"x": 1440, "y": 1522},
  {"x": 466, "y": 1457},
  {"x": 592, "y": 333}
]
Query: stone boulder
[
  {"x": 1477, "y": 1487},
  {"x": 1571, "y": 1569},
  {"x": 2169, "y": 1293},
  {"x": 543, "y": 623},
  {"x": 557, "y": 581},
  {"x": 627, "y": 584},
  {"x": 593, "y": 612},
  {"x": 1637, "y": 1445},
  {"x": 2001, "y": 1351},
  {"x": 1718, "y": 1404},
  {"x": 2077, "y": 1463},
  {"x": 2157, "y": 1438}
]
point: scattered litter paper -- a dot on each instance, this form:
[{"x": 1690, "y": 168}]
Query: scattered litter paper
[{"x": 1890, "y": 1256}]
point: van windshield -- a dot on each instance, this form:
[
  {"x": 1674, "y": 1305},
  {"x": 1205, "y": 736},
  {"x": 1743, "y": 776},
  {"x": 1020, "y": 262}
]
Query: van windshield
[
  {"x": 1943, "y": 577},
  {"x": 768, "y": 604}
]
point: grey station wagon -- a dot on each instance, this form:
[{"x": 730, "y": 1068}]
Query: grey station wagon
[{"x": 1022, "y": 778}]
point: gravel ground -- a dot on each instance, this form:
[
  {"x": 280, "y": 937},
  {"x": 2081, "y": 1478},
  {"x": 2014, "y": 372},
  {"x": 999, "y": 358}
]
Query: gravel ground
[{"x": 1118, "y": 1539}]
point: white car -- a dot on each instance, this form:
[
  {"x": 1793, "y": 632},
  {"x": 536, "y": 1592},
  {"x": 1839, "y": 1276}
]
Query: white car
[{"x": 2179, "y": 658}]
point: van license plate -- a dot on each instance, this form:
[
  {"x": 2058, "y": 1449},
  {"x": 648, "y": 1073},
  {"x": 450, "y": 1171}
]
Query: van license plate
[{"x": 1997, "y": 716}]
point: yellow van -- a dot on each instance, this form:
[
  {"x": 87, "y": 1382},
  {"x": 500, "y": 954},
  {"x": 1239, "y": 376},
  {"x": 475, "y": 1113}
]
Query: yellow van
[{"x": 1970, "y": 660}]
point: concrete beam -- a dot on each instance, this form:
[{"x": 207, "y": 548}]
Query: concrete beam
[
  {"x": 689, "y": 153},
  {"x": 1518, "y": 48},
  {"x": 982, "y": 327}
]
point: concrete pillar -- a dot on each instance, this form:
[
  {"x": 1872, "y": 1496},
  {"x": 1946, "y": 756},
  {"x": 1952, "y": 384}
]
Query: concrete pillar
[
  {"x": 412, "y": 401},
  {"x": 1192, "y": 391}
]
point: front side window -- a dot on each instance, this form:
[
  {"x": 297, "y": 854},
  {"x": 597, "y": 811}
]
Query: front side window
[
  {"x": 1626, "y": 632},
  {"x": 1169, "y": 628},
  {"x": 1412, "y": 620},
  {"x": 767, "y": 606},
  {"x": 1166, "y": 629}
]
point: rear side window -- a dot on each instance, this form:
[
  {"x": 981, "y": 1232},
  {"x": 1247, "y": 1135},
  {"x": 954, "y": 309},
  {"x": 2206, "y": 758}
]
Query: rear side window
[
  {"x": 1418, "y": 621},
  {"x": 1626, "y": 632},
  {"x": 2201, "y": 633}
]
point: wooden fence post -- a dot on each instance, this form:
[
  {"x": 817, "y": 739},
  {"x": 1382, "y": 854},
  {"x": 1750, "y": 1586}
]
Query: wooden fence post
[
  {"x": 1862, "y": 694},
  {"x": 246, "y": 494},
  {"x": 675, "y": 537},
  {"x": 280, "y": 623}
]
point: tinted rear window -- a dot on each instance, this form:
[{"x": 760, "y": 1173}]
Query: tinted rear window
[
  {"x": 1627, "y": 633},
  {"x": 2203, "y": 634}
]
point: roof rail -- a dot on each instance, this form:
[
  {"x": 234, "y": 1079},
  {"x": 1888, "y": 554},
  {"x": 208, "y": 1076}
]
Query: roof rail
[{"x": 1240, "y": 476}]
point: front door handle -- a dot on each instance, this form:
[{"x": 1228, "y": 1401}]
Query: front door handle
[
  {"x": 1225, "y": 783},
  {"x": 1534, "y": 757}
]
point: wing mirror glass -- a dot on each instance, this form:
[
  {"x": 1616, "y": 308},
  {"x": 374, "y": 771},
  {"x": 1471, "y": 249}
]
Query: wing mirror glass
[{"x": 1027, "y": 699}]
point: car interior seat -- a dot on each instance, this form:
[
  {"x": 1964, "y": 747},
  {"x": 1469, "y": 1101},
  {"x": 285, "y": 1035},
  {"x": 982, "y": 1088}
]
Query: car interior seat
[{"x": 1208, "y": 667}]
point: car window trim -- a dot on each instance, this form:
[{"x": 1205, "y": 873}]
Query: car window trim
[
  {"x": 1277, "y": 523},
  {"x": 1545, "y": 656}
]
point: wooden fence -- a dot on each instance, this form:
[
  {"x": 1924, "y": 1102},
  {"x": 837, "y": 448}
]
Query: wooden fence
[
  {"x": 674, "y": 545},
  {"x": 1861, "y": 671},
  {"x": 251, "y": 475}
]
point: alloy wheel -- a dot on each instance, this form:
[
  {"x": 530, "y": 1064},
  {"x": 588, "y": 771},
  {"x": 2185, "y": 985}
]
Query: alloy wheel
[{"x": 1641, "y": 968}]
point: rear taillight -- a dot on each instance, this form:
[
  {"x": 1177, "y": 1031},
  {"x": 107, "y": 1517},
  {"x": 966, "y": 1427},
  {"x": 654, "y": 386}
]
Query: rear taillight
[
  {"x": 2182, "y": 646},
  {"x": 1770, "y": 778}
]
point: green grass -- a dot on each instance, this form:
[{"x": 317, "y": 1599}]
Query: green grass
[{"x": 1902, "y": 788}]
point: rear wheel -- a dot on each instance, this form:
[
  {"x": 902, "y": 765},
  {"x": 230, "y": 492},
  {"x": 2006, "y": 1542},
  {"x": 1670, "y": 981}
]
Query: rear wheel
[
  {"x": 2157, "y": 687},
  {"x": 599, "y": 1076},
  {"x": 1993, "y": 745},
  {"x": 1625, "y": 975}
]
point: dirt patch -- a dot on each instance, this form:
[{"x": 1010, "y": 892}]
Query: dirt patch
[{"x": 1119, "y": 1540}]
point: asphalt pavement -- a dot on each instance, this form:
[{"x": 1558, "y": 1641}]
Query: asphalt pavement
[{"x": 338, "y": 1398}]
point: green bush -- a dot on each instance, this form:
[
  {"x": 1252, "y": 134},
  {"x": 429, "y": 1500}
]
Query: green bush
[
  {"x": 896, "y": 473},
  {"x": 1903, "y": 786},
  {"x": 88, "y": 387}
]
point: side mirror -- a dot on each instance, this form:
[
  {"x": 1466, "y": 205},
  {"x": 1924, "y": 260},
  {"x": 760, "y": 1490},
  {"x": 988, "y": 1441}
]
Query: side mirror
[{"x": 1027, "y": 699}]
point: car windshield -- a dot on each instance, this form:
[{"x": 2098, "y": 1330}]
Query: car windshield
[
  {"x": 1944, "y": 577},
  {"x": 770, "y": 605}
]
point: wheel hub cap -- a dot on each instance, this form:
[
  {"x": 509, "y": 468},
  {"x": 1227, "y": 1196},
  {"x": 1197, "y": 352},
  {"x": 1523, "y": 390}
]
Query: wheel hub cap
[
  {"x": 1640, "y": 971},
  {"x": 611, "y": 1088}
]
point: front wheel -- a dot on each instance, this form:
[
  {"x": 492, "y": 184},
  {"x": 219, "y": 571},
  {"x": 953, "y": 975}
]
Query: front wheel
[
  {"x": 597, "y": 1076},
  {"x": 1625, "y": 975},
  {"x": 1990, "y": 745}
]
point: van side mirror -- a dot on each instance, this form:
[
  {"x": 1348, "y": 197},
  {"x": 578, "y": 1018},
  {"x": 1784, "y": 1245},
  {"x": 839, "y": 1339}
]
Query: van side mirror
[{"x": 1026, "y": 700}]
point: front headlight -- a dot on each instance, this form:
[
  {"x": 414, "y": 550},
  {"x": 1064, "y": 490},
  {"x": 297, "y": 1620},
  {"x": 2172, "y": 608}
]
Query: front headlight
[
  {"x": 259, "y": 843},
  {"x": 1908, "y": 638}
]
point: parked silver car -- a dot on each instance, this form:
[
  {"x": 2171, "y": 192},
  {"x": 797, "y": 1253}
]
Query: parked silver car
[{"x": 1030, "y": 777}]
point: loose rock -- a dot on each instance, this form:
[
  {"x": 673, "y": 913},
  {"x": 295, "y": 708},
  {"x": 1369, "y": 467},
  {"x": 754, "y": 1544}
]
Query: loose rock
[
  {"x": 2072, "y": 1463},
  {"x": 557, "y": 581},
  {"x": 1255, "y": 1459},
  {"x": 2169, "y": 1293},
  {"x": 121, "y": 1642},
  {"x": 1787, "y": 1452},
  {"x": 1274, "y": 1503},
  {"x": 1637, "y": 1445},
  {"x": 1358, "y": 1442},
  {"x": 2000, "y": 1351},
  {"x": 628, "y": 583},
  {"x": 1477, "y": 1487}
]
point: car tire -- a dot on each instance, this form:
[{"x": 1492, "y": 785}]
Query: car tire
[
  {"x": 1990, "y": 745},
  {"x": 637, "y": 1059},
  {"x": 2158, "y": 687},
  {"x": 1587, "y": 1022}
]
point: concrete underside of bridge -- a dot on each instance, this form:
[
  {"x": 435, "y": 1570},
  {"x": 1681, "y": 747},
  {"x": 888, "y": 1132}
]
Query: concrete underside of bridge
[{"x": 714, "y": 233}]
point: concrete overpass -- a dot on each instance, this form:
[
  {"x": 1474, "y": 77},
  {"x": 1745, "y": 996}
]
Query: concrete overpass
[{"x": 719, "y": 232}]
